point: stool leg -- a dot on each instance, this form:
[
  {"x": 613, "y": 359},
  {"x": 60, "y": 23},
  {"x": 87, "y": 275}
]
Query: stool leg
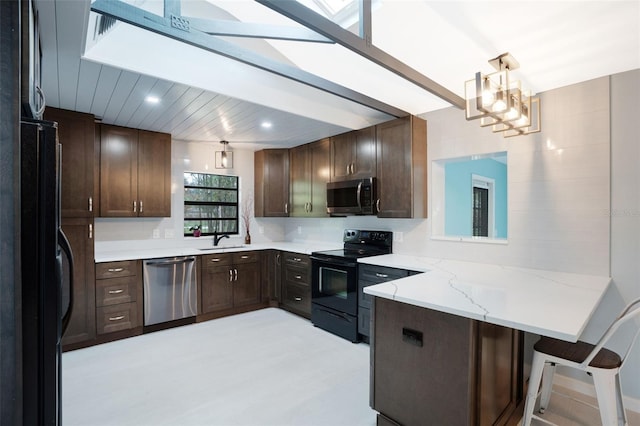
[
  {"x": 537, "y": 366},
  {"x": 547, "y": 384},
  {"x": 622, "y": 415},
  {"x": 605, "y": 383}
]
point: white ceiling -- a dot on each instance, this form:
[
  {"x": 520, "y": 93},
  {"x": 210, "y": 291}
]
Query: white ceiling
[{"x": 205, "y": 97}]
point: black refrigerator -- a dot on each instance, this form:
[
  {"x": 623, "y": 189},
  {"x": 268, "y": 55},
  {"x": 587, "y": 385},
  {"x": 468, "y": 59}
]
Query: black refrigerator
[{"x": 47, "y": 280}]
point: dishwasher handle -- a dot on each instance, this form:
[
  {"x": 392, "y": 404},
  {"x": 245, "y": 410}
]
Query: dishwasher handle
[{"x": 170, "y": 262}]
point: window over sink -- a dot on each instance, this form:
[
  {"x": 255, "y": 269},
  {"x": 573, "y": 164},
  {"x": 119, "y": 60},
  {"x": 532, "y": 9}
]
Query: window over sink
[{"x": 210, "y": 204}]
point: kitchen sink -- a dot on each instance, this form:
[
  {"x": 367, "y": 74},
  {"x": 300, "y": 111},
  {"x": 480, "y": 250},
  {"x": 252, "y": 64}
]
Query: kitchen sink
[{"x": 221, "y": 247}]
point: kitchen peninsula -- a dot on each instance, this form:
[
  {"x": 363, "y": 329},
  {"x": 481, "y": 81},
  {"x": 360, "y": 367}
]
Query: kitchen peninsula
[{"x": 447, "y": 344}]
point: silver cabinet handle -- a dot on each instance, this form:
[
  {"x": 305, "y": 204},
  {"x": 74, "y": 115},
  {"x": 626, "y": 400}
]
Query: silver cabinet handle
[
  {"x": 140, "y": 206},
  {"x": 351, "y": 168},
  {"x": 115, "y": 269},
  {"x": 90, "y": 204},
  {"x": 310, "y": 207},
  {"x": 297, "y": 259},
  {"x": 348, "y": 169},
  {"x": 298, "y": 277},
  {"x": 381, "y": 275},
  {"x": 118, "y": 318},
  {"x": 378, "y": 204},
  {"x": 298, "y": 299},
  {"x": 135, "y": 207},
  {"x": 244, "y": 256},
  {"x": 236, "y": 274},
  {"x": 116, "y": 291},
  {"x": 230, "y": 275},
  {"x": 278, "y": 259},
  {"x": 216, "y": 259},
  {"x": 90, "y": 231}
]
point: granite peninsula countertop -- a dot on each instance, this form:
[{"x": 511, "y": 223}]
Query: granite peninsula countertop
[{"x": 549, "y": 303}]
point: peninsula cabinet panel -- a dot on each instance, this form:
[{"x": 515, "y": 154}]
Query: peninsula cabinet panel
[
  {"x": 135, "y": 173},
  {"x": 430, "y": 367},
  {"x": 82, "y": 324},
  {"x": 76, "y": 133},
  {"x": 271, "y": 183},
  {"x": 353, "y": 155},
  {"x": 401, "y": 148}
]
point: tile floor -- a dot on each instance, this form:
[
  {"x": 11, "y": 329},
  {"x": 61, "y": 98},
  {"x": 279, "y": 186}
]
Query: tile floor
[{"x": 262, "y": 368}]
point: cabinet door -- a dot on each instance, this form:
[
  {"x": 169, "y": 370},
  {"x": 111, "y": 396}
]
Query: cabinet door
[
  {"x": 154, "y": 174},
  {"x": 271, "y": 183},
  {"x": 300, "y": 181},
  {"x": 217, "y": 288},
  {"x": 77, "y": 137},
  {"x": 319, "y": 153},
  {"x": 364, "y": 162},
  {"x": 343, "y": 150},
  {"x": 401, "y": 150},
  {"x": 82, "y": 325},
  {"x": 118, "y": 171},
  {"x": 246, "y": 285}
]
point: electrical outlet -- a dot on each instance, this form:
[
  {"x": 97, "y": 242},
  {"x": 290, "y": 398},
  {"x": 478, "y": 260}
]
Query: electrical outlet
[
  {"x": 156, "y": 233},
  {"x": 299, "y": 230},
  {"x": 168, "y": 233},
  {"x": 398, "y": 236}
]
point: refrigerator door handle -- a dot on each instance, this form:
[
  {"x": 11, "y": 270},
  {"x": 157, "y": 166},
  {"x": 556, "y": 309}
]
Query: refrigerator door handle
[{"x": 63, "y": 242}]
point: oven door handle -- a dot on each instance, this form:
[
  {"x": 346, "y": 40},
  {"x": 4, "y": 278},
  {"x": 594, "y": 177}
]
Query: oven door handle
[{"x": 334, "y": 261}]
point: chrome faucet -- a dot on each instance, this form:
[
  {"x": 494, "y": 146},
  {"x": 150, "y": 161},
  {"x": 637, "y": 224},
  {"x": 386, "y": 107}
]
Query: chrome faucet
[{"x": 217, "y": 237}]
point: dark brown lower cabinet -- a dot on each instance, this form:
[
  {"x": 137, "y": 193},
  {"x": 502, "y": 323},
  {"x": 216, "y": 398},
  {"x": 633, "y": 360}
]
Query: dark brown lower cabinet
[
  {"x": 434, "y": 368},
  {"x": 82, "y": 325},
  {"x": 231, "y": 283}
]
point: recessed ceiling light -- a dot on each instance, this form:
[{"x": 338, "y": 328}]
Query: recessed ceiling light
[
  {"x": 266, "y": 124},
  {"x": 152, "y": 99}
]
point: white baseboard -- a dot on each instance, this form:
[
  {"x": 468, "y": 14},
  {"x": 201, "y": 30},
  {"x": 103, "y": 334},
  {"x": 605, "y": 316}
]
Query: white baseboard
[{"x": 631, "y": 404}]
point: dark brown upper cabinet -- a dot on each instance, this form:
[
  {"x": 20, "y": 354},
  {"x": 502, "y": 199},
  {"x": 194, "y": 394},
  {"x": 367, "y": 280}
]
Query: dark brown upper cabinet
[
  {"x": 309, "y": 165},
  {"x": 401, "y": 148},
  {"x": 271, "y": 183},
  {"x": 353, "y": 155},
  {"x": 135, "y": 173},
  {"x": 76, "y": 133}
]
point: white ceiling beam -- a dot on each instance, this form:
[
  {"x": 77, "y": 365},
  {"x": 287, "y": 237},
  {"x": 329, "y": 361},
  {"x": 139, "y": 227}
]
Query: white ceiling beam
[{"x": 314, "y": 21}]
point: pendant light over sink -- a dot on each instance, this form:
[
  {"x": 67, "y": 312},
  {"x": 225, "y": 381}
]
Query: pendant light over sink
[
  {"x": 499, "y": 101},
  {"x": 224, "y": 158}
]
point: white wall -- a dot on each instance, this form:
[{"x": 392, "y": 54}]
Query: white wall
[{"x": 116, "y": 233}]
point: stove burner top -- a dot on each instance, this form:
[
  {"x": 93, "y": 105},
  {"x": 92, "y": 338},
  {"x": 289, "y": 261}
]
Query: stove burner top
[{"x": 359, "y": 244}]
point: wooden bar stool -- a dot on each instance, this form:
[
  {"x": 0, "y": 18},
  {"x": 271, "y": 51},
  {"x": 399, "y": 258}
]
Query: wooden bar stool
[{"x": 602, "y": 364}]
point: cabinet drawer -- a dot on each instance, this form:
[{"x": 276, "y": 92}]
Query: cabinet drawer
[
  {"x": 116, "y": 290},
  {"x": 221, "y": 259},
  {"x": 380, "y": 274},
  {"x": 301, "y": 260},
  {"x": 297, "y": 276},
  {"x": 125, "y": 268},
  {"x": 297, "y": 297},
  {"x": 116, "y": 317},
  {"x": 246, "y": 257}
]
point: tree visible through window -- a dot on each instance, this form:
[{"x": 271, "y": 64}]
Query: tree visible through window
[{"x": 210, "y": 203}]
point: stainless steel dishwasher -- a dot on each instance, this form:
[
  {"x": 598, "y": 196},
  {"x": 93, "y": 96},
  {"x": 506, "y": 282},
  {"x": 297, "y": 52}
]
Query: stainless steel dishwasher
[{"x": 170, "y": 289}]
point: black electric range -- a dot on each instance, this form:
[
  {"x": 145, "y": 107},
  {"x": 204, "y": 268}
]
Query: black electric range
[{"x": 334, "y": 281}]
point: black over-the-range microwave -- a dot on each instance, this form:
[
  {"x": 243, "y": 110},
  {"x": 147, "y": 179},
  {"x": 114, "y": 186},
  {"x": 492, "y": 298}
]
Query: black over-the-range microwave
[{"x": 352, "y": 197}]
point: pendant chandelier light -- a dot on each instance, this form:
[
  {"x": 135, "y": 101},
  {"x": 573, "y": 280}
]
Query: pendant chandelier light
[
  {"x": 499, "y": 102},
  {"x": 224, "y": 158}
]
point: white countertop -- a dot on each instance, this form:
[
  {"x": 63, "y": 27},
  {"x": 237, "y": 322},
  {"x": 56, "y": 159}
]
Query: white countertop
[
  {"x": 154, "y": 253},
  {"x": 554, "y": 304}
]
